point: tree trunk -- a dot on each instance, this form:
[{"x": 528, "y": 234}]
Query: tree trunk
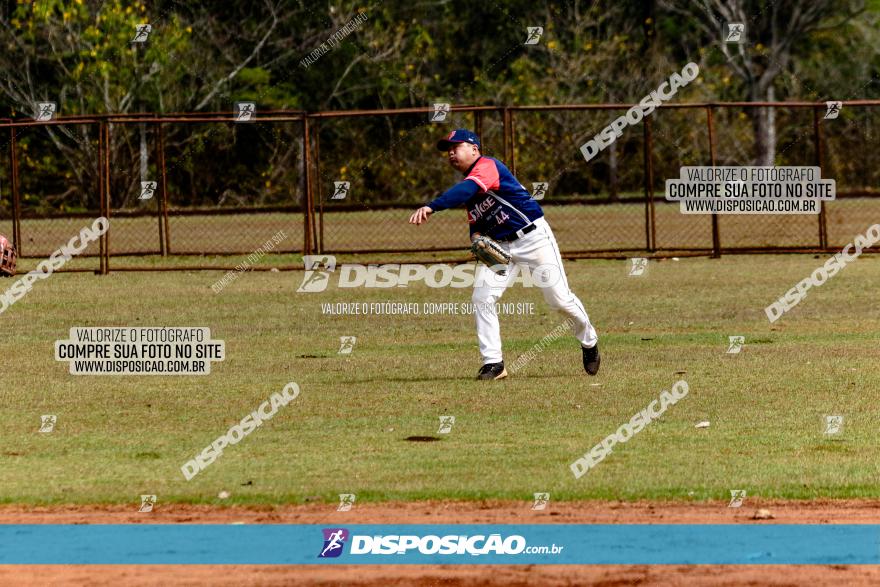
[{"x": 764, "y": 125}]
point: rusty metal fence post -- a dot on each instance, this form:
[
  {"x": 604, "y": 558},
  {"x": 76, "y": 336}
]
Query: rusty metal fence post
[
  {"x": 316, "y": 187},
  {"x": 307, "y": 195},
  {"x": 108, "y": 205},
  {"x": 650, "y": 219},
  {"x": 716, "y": 236},
  {"x": 16, "y": 196},
  {"x": 100, "y": 179},
  {"x": 512, "y": 162},
  {"x": 478, "y": 128},
  {"x": 164, "y": 237},
  {"x": 817, "y": 142},
  {"x": 103, "y": 156},
  {"x": 320, "y": 243},
  {"x": 505, "y": 121}
]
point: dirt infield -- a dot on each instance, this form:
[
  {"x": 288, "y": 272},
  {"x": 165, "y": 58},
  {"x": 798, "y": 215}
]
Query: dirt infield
[{"x": 783, "y": 512}]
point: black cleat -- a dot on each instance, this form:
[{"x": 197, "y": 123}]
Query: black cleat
[
  {"x": 591, "y": 359},
  {"x": 492, "y": 371}
]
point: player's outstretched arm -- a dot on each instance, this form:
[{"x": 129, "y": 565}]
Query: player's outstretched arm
[{"x": 421, "y": 215}]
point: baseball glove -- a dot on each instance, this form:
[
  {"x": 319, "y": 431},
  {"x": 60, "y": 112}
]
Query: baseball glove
[
  {"x": 7, "y": 258},
  {"x": 490, "y": 252}
]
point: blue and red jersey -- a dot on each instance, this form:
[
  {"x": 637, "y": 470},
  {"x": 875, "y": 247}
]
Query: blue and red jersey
[{"x": 497, "y": 204}]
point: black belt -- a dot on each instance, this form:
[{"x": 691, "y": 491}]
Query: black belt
[{"x": 518, "y": 234}]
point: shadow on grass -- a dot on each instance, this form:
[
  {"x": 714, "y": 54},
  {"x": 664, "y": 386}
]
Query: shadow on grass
[{"x": 422, "y": 439}]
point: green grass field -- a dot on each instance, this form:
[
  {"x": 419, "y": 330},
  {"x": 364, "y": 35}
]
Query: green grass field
[{"x": 118, "y": 437}]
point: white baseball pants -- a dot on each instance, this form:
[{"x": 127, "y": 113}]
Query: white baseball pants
[{"x": 539, "y": 252}]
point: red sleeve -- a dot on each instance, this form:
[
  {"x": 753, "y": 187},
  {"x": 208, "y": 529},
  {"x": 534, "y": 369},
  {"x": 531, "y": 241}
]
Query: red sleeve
[{"x": 485, "y": 175}]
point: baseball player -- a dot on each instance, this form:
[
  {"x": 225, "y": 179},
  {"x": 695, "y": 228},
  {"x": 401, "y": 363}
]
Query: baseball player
[
  {"x": 500, "y": 208},
  {"x": 7, "y": 257}
]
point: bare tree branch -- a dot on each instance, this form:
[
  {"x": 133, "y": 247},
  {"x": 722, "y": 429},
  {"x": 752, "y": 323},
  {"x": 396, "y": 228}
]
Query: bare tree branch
[{"x": 244, "y": 63}]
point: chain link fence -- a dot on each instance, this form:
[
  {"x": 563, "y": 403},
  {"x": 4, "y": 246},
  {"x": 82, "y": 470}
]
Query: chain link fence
[{"x": 346, "y": 182}]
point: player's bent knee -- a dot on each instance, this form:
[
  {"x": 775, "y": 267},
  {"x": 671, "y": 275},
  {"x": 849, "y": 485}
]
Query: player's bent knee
[{"x": 557, "y": 303}]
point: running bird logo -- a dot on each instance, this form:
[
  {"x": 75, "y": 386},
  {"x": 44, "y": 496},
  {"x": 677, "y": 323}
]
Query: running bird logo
[
  {"x": 334, "y": 541},
  {"x": 446, "y": 424},
  {"x": 340, "y": 190},
  {"x": 539, "y": 189},
  {"x": 147, "y": 503},
  {"x": 47, "y": 423},
  {"x": 534, "y": 35},
  {"x": 148, "y": 188},
  {"x": 346, "y": 344},
  {"x": 832, "y": 110},
  {"x": 638, "y": 266},
  {"x": 736, "y": 498},
  {"x": 45, "y": 111},
  {"x": 245, "y": 111},
  {"x": 541, "y": 501},
  {"x": 441, "y": 109},
  {"x": 317, "y": 276},
  {"x": 833, "y": 425},
  {"x": 735, "y": 32},
  {"x": 142, "y": 32},
  {"x": 346, "y": 501},
  {"x": 736, "y": 344}
]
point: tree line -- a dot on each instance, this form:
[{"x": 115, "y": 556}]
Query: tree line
[{"x": 85, "y": 56}]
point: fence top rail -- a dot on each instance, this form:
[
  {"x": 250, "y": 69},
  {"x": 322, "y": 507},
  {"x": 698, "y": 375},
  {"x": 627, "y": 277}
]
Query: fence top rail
[
  {"x": 600, "y": 106},
  {"x": 150, "y": 117},
  {"x": 225, "y": 118},
  {"x": 793, "y": 104},
  {"x": 395, "y": 111},
  {"x": 55, "y": 122},
  {"x": 298, "y": 115},
  {"x": 198, "y": 114}
]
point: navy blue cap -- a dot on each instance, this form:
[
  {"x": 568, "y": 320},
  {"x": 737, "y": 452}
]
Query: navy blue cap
[{"x": 459, "y": 135}]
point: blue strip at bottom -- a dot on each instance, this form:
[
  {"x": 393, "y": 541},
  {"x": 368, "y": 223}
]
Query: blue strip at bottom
[{"x": 283, "y": 544}]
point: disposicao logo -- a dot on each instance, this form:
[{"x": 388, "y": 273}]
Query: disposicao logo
[
  {"x": 318, "y": 269},
  {"x": 334, "y": 540}
]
